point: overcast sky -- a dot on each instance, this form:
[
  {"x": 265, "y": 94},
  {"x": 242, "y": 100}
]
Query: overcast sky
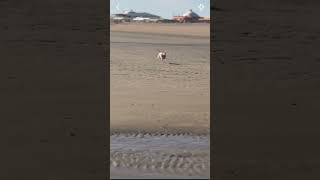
[{"x": 163, "y": 8}]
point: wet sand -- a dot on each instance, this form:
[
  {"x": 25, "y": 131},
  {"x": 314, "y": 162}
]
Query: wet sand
[
  {"x": 152, "y": 98},
  {"x": 165, "y": 156}
]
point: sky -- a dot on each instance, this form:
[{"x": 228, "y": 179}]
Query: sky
[{"x": 163, "y": 8}]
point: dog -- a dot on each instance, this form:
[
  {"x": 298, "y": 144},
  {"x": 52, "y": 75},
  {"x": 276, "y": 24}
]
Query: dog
[{"x": 162, "y": 55}]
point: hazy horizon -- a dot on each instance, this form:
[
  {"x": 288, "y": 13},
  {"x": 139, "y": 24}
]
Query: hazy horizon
[{"x": 163, "y": 8}]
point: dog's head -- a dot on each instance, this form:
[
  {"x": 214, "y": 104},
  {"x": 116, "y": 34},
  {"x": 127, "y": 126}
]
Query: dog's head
[{"x": 162, "y": 53}]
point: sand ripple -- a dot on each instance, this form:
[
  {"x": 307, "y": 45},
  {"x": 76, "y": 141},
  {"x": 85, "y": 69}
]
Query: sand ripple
[{"x": 164, "y": 155}]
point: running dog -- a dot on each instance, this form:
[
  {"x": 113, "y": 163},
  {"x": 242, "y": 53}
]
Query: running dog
[{"x": 162, "y": 55}]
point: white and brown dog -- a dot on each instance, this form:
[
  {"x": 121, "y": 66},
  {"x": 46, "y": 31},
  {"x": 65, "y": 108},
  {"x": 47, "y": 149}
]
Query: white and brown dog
[{"x": 162, "y": 55}]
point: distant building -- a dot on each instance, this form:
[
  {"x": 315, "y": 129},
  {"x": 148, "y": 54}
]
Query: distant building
[
  {"x": 134, "y": 16},
  {"x": 189, "y": 16},
  {"x": 119, "y": 18}
]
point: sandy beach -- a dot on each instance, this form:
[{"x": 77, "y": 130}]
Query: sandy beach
[
  {"x": 158, "y": 99},
  {"x": 147, "y": 94}
]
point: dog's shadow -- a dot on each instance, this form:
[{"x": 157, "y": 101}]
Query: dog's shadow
[{"x": 174, "y": 63}]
